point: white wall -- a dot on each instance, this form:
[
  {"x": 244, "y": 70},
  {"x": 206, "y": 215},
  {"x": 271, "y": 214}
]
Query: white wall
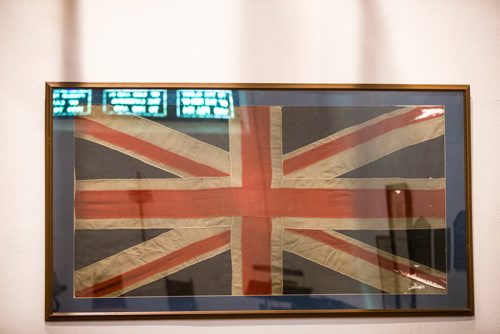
[{"x": 329, "y": 41}]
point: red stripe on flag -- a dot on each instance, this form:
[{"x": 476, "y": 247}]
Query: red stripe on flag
[
  {"x": 154, "y": 267},
  {"x": 353, "y": 203},
  {"x": 349, "y": 141},
  {"x": 225, "y": 202},
  {"x": 256, "y": 147},
  {"x": 144, "y": 148},
  {"x": 256, "y": 181},
  {"x": 256, "y": 255},
  {"x": 368, "y": 256}
]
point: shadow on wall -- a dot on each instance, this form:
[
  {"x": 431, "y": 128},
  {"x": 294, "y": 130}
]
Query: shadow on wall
[
  {"x": 375, "y": 45},
  {"x": 315, "y": 43},
  {"x": 71, "y": 41}
]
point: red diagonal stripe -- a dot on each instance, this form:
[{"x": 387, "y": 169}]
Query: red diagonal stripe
[
  {"x": 225, "y": 202},
  {"x": 348, "y": 141},
  {"x": 157, "y": 266},
  {"x": 144, "y": 148},
  {"x": 366, "y": 255}
]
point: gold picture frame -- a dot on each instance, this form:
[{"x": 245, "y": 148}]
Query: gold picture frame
[{"x": 388, "y": 158}]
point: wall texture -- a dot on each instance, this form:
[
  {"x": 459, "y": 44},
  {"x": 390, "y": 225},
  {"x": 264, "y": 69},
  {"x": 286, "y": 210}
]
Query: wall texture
[{"x": 320, "y": 41}]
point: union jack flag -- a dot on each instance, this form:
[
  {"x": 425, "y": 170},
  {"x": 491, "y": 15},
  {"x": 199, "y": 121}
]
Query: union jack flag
[{"x": 264, "y": 199}]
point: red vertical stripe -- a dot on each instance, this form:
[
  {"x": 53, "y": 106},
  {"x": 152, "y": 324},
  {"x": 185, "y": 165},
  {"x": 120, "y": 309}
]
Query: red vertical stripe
[
  {"x": 256, "y": 255},
  {"x": 256, "y": 148},
  {"x": 257, "y": 173}
]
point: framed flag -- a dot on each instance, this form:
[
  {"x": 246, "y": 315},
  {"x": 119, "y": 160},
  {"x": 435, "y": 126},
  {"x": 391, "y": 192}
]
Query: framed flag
[{"x": 223, "y": 200}]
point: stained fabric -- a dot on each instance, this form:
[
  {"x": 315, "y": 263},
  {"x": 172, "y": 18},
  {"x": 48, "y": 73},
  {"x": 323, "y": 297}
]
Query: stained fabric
[{"x": 347, "y": 190}]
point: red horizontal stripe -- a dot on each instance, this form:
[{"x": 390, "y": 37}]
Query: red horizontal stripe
[
  {"x": 223, "y": 202},
  {"x": 366, "y": 255},
  {"x": 349, "y": 141},
  {"x": 144, "y": 148},
  {"x": 157, "y": 266}
]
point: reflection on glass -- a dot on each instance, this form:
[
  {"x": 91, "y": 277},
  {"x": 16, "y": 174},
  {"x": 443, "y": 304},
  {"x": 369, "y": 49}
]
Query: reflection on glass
[
  {"x": 192, "y": 103},
  {"x": 460, "y": 253},
  {"x": 58, "y": 289},
  {"x": 139, "y": 102},
  {"x": 71, "y": 102}
]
